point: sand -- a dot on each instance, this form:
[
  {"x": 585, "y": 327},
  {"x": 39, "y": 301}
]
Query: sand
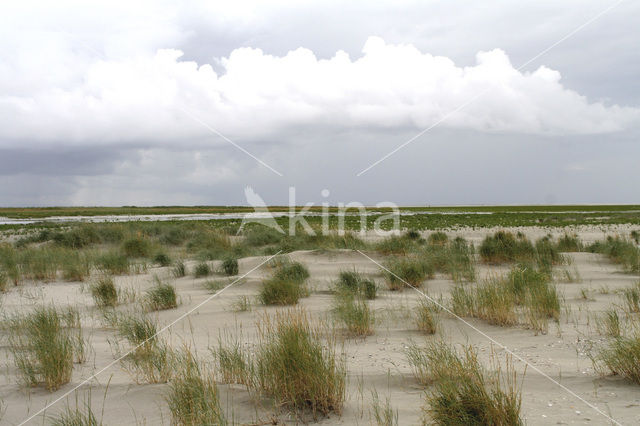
[{"x": 376, "y": 362}]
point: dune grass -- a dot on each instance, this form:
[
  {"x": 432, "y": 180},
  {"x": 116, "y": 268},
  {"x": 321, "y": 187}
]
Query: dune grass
[
  {"x": 113, "y": 262},
  {"x": 403, "y": 271},
  {"x": 620, "y": 251},
  {"x": 202, "y": 270},
  {"x": 353, "y": 312},
  {"x": 104, "y": 292},
  {"x": 463, "y": 392},
  {"x": 287, "y": 284},
  {"x": 631, "y": 298},
  {"x": 354, "y": 282},
  {"x": 503, "y": 247},
  {"x": 79, "y": 415},
  {"x": 179, "y": 269},
  {"x": 230, "y": 266},
  {"x": 234, "y": 363},
  {"x": 162, "y": 259},
  {"x": 298, "y": 364},
  {"x": 150, "y": 359},
  {"x": 621, "y": 357},
  {"x": 193, "y": 394},
  {"x": 161, "y": 296},
  {"x": 425, "y": 319},
  {"x": 569, "y": 243},
  {"x": 609, "y": 323},
  {"x": 383, "y": 415},
  {"x": 44, "y": 344}
]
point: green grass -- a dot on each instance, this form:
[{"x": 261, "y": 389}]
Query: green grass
[
  {"x": 354, "y": 282},
  {"x": 113, "y": 262},
  {"x": 136, "y": 247},
  {"x": 202, "y": 270},
  {"x": 353, "y": 312},
  {"x": 76, "y": 416},
  {"x": 462, "y": 391},
  {"x": 44, "y": 344},
  {"x": 621, "y": 357},
  {"x": 425, "y": 319},
  {"x": 297, "y": 366},
  {"x": 150, "y": 359},
  {"x": 104, "y": 292},
  {"x": 234, "y": 363},
  {"x": 162, "y": 259},
  {"x": 631, "y": 298},
  {"x": 403, "y": 271},
  {"x": 179, "y": 269},
  {"x": 161, "y": 296},
  {"x": 193, "y": 394},
  {"x": 621, "y": 251},
  {"x": 230, "y": 266},
  {"x": 383, "y": 415},
  {"x": 4, "y": 281},
  {"x": 287, "y": 284},
  {"x": 609, "y": 323},
  {"x": 503, "y": 247},
  {"x": 569, "y": 243}
]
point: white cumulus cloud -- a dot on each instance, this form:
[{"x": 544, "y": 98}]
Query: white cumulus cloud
[{"x": 153, "y": 98}]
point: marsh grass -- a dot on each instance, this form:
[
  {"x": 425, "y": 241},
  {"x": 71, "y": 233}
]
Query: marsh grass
[
  {"x": 463, "y": 392},
  {"x": 425, "y": 319},
  {"x": 298, "y": 364},
  {"x": 104, "y": 292},
  {"x": 44, "y": 344},
  {"x": 403, "y": 271},
  {"x": 192, "y": 396},
  {"x": 352, "y": 310},
  {"x": 621, "y": 357},
  {"x": 150, "y": 359},
  {"x": 161, "y": 296},
  {"x": 230, "y": 266}
]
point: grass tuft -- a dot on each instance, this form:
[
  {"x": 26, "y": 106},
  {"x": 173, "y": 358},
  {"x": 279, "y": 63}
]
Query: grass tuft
[
  {"x": 230, "y": 266},
  {"x": 353, "y": 312},
  {"x": 105, "y": 293},
  {"x": 202, "y": 270},
  {"x": 621, "y": 357},
  {"x": 161, "y": 296}
]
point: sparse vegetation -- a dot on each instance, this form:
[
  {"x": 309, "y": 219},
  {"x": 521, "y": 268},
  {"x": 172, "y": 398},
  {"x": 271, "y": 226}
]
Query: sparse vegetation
[
  {"x": 286, "y": 286},
  {"x": 202, "y": 270},
  {"x": 403, "y": 271},
  {"x": 179, "y": 269},
  {"x": 425, "y": 320},
  {"x": 352, "y": 310},
  {"x": 354, "y": 282},
  {"x": 162, "y": 259},
  {"x": 621, "y": 251},
  {"x": 621, "y": 357}
]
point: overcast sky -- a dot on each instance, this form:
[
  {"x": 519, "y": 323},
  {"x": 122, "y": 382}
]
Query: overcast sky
[{"x": 151, "y": 103}]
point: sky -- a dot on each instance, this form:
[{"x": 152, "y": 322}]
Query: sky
[{"x": 416, "y": 103}]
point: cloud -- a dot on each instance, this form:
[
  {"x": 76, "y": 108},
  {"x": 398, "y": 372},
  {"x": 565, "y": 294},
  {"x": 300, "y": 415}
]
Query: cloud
[{"x": 150, "y": 99}]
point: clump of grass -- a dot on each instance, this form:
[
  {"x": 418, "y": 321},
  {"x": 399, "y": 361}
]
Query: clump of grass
[
  {"x": 398, "y": 245},
  {"x": 79, "y": 415},
  {"x": 569, "y": 243},
  {"x": 355, "y": 283},
  {"x": 136, "y": 247},
  {"x": 161, "y": 296},
  {"x": 202, "y": 270},
  {"x": 438, "y": 238},
  {"x": 213, "y": 285},
  {"x": 162, "y": 259},
  {"x": 353, "y": 312},
  {"x": 4, "y": 280},
  {"x": 384, "y": 415},
  {"x": 631, "y": 298},
  {"x": 463, "y": 393},
  {"x": 286, "y": 286},
  {"x": 113, "y": 263},
  {"x": 425, "y": 319},
  {"x": 451, "y": 257},
  {"x": 242, "y": 304},
  {"x": 621, "y": 357},
  {"x": 75, "y": 266},
  {"x": 491, "y": 301},
  {"x": 193, "y": 395},
  {"x": 179, "y": 269},
  {"x": 150, "y": 360},
  {"x": 234, "y": 364},
  {"x": 297, "y": 367},
  {"x": 230, "y": 266},
  {"x": 621, "y": 251},
  {"x": 105, "y": 293},
  {"x": 609, "y": 323},
  {"x": 401, "y": 271},
  {"x": 44, "y": 344},
  {"x": 504, "y": 247}
]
